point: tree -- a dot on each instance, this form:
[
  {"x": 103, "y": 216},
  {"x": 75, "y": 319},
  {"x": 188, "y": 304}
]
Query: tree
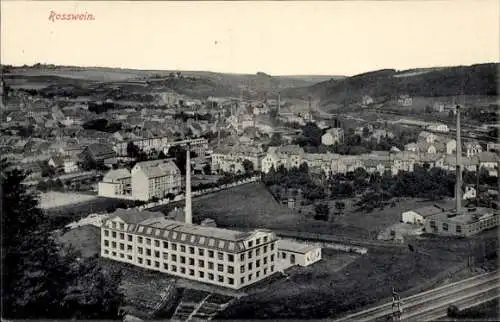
[
  {"x": 276, "y": 139},
  {"x": 322, "y": 211},
  {"x": 248, "y": 166},
  {"x": 207, "y": 169},
  {"x": 340, "y": 206}
]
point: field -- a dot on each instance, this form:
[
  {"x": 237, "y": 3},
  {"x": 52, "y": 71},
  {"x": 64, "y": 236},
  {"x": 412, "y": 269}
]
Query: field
[
  {"x": 323, "y": 292},
  {"x": 251, "y": 206},
  {"x": 53, "y": 199}
]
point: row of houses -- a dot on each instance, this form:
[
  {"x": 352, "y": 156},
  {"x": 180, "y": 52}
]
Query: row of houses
[{"x": 146, "y": 180}]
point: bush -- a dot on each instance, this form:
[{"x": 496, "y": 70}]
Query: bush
[{"x": 453, "y": 311}]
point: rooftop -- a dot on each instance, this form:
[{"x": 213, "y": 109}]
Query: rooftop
[
  {"x": 467, "y": 215},
  {"x": 292, "y": 246}
]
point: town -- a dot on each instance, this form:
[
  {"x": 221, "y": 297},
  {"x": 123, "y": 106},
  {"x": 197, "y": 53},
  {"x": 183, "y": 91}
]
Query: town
[{"x": 175, "y": 194}]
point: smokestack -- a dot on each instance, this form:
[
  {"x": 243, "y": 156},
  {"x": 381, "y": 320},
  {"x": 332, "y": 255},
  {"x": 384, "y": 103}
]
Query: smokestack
[
  {"x": 188, "y": 215},
  {"x": 279, "y": 102},
  {"x": 458, "y": 188}
]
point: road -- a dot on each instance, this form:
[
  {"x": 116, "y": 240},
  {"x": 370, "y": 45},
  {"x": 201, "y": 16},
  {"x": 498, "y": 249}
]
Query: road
[{"x": 433, "y": 304}]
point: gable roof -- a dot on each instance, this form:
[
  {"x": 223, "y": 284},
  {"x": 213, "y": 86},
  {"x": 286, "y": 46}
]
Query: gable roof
[
  {"x": 133, "y": 216},
  {"x": 158, "y": 168},
  {"x": 117, "y": 174}
]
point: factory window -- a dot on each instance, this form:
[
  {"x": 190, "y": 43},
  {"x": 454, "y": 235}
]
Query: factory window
[
  {"x": 230, "y": 281},
  {"x": 139, "y": 260},
  {"x": 139, "y": 250},
  {"x": 433, "y": 224},
  {"x": 174, "y": 268},
  {"x": 113, "y": 234},
  {"x": 129, "y": 257},
  {"x": 220, "y": 267},
  {"x": 201, "y": 274},
  {"x": 183, "y": 270},
  {"x": 211, "y": 253},
  {"x": 201, "y": 263},
  {"x": 122, "y": 236},
  {"x": 157, "y": 254},
  {"x": 165, "y": 244},
  {"x": 148, "y": 241},
  {"x": 183, "y": 248},
  {"x": 191, "y": 250},
  {"x": 458, "y": 229},
  {"x": 272, "y": 258},
  {"x": 283, "y": 255},
  {"x": 257, "y": 252},
  {"x": 265, "y": 249},
  {"x": 249, "y": 254},
  {"x": 174, "y": 246},
  {"x": 242, "y": 280},
  {"x": 265, "y": 239},
  {"x": 230, "y": 269},
  {"x": 106, "y": 233},
  {"x": 242, "y": 269},
  {"x": 157, "y": 264},
  {"x": 165, "y": 256},
  {"x": 272, "y": 268},
  {"x": 165, "y": 266},
  {"x": 211, "y": 276},
  {"x": 250, "y": 244},
  {"x": 257, "y": 241},
  {"x": 157, "y": 243},
  {"x": 292, "y": 259},
  {"x": 113, "y": 244},
  {"x": 183, "y": 260},
  {"x": 220, "y": 256},
  {"x": 250, "y": 265},
  {"x": 129, "y": 238},
  {"x": 148, "y": 252},
  {"x": 220, "y": 278},
  {"x": 257, "y": 263},
  {"x": 257, "y": 274},
  {"x": 191, "y": 261},
  {"x": 201, "y": 251},
  {"x": 122, "y": 226},
  {"x": 210, "y": 265},
  {"x": 272, "y": 246},
  {"x": 230, "y": 257},
  {"x": 139, "y": 239},
  {"x": 249, "y": 277},
  {"x": 106, "y": 243},
  {"x": 174, "y": 258},
  {"x": 148, "y": 262},
  {"x": 265, "y": 271},
  {"x": 445, "y": 226},
  {"x": 113, "y": 254},
  {"x": 264, "y": 260},
  {"x": 191, "y": 272},
  {"x": 122, "y": 246}
]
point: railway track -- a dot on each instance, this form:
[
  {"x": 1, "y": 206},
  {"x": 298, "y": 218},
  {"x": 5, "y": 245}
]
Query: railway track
[{"x": 433, "y": 302}]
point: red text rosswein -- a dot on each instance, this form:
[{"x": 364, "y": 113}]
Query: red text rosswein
[{"x": 53, "y": 16}]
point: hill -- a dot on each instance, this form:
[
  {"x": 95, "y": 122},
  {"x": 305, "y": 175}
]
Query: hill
[
  {"x": 481, "y": 79},
  {"x": 196, "y": 84}
]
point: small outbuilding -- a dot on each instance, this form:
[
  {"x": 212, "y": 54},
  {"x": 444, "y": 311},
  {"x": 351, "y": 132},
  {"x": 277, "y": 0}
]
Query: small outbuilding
[
  {"x": 292, "y": 253},
  {"x": 417, "y": 216}
]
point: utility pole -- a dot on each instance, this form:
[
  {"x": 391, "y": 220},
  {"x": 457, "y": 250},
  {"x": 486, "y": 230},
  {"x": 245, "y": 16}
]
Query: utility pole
[{"x": 397, "y": 309}]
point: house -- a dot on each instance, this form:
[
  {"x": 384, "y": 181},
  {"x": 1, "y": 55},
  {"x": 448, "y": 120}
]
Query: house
[
  {"x": 360, "y": 130},
  {"x": 412, "y": 147},
  {"x": 380, "y": 133},
  {"x": 438, "y": 127},
  {"x": 426, "y": 147},
  {"x": 155, "y": 179},
  {"x": 230, "y": 158},
  {"x": 469, "y": 193},
  {"x": 405, "y": 100},
  {"x": 366, "y": 100},
  {"x": 98, "y": 153},
  {"x": 211, "y": 255},
  {"x": 293, "y": 253},
  {"x": 445, "y": 145},
  {"x": 427, "y": 137},
  {"x": 333, "y": 136},
  {"x": 493, "y": 147},
  {"x": 116, "y": 183},
  {"x": 417, "y": 216},
  {"x": 472, "y": 148},
  {"x": 438, "y": 107},
  {"x": 488, "y": 161}
]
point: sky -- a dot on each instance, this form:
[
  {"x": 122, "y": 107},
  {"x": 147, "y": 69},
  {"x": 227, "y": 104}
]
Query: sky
[{"x": 278, "y": 38}]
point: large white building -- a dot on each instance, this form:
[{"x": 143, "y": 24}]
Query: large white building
[
  {"x": 230, "y": 158},
  {"x": 116, "y": 183},
  {"x": 211, "y": 255},
  {"x": 155, "y": 179},
  {"x": 332, "y": 136}
]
